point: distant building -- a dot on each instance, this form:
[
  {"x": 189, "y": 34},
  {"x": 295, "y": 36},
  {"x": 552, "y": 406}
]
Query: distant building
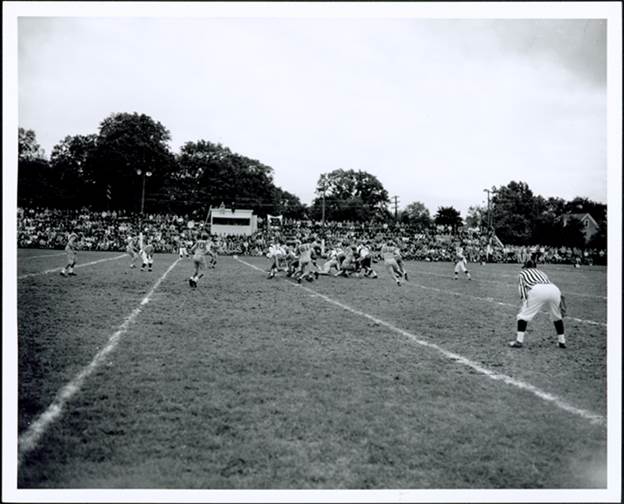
[
  {"x": 590, "y": 226},
  {"x": 225, "y": 221}
]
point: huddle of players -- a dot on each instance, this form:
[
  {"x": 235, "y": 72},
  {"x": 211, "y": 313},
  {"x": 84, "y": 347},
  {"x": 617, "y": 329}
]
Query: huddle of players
[{"x": 299, "y": 260}]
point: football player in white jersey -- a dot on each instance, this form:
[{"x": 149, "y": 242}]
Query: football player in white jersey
[
  {"x": 364, "y": 260},
  {"x": 70, "y": 251},
  {"x": 147, "y": 254},
  {"x": 460, "y": 264},
  {"x": 132, "y": 250},
  {"x": 277, "y": 256},
  {"x": 332, "y": 261}
]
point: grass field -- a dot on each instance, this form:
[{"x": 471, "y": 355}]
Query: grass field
[{"x": 249, "y": 383}]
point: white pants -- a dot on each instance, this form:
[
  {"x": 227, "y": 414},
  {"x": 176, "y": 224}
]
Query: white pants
[
  {"x": 147, "y": 259},
  {"x": 460, "y": 266},
  {"x": 538, "y": 296}
]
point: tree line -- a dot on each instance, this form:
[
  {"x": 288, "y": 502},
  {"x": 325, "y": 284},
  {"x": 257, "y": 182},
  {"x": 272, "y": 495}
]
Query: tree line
[{"x": 129, "y": 163}]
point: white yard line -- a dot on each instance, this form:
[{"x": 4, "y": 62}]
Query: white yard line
[
  {"x": 77, "y": 266},
  {"x": 594, "y": 418},
  {"x": 479, "y": 279},
  {"x": 499, "y": 303},
  {"x": 40, "y": 256},
  {"x": 31, "y": 437}
]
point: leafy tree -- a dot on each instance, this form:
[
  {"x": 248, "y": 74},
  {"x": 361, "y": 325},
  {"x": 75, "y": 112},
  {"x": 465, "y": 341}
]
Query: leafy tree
[
  {"x": 448, "y": 216},
  {"x": 514, "y": 211},
  {"x": 210, "y": 174},
  {"x": 287, "y": 204},
  {"x": 573, "y": 234},
  {"x": 28, "y": 147},
  {"x": 126, "y": 145},
  {"x": 35, "y": 184},
  {"x": 70, "y": 162},
  {"x": 417, "y": 215},
  {"x": 476, "y": 216},
  {"x": 350, "y": 195}
]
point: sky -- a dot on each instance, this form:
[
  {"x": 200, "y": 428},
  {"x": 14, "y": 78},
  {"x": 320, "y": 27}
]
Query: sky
[{"x": 437, "y": 109}]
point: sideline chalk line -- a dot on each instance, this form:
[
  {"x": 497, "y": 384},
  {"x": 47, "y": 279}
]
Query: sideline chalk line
[
  {"x": 39, "y": 256},
  {"x": 499, "y": 303},
  {"x": 77, "y": 266},
  {"x": 31, "y": 437},
  {"x": 479, "y": 279},
  {"x": 594, "y": 418}
]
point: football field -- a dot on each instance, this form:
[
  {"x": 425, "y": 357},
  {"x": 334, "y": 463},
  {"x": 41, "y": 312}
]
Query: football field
[{"x": 130, "y": 379}]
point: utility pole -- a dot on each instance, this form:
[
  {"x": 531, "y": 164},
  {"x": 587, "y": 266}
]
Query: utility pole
[
  {"x": 396, "y": 207},
  {"x": 324, "y": 186}
]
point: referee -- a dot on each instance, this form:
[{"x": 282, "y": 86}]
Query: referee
[{"x": 537, "y": 291}]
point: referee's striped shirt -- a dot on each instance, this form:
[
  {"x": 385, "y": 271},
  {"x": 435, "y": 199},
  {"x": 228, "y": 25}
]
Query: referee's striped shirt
[{"x": 530, "y": 277}]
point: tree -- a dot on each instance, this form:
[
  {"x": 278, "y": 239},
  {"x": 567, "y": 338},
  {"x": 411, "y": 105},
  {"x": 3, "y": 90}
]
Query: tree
[
  {"x": 476, "y": 216},
  {"x": 129, "y": 146},
  {"x": 349, "y": 195},
  {"x": 573, "y": 234},
  {"x": 448, "y": 216},
  {"x": 28, "y": 148},
  {"x": 287, "y": 204},
  {"x": 34, "y": 179},
  {"x": 210, "y": 174},
  {"x": 70, "y": 162},
  {"x": 417, "y": 215},
  {"x": 514, "y": 211}
]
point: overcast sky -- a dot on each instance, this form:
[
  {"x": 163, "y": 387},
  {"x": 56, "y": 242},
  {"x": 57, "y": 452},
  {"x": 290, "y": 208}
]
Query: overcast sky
[{"x": 438, "y": 110}]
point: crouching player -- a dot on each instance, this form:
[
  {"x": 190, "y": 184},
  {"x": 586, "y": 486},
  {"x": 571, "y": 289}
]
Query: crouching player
[
  {"x": 332, "y": 261},
  {"x": 200, "y": 249},
  {"x": 70, "y": 251},
  {"x": 537, "y": 291}
]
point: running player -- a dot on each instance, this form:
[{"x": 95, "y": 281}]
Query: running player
[
  {"x": 536, "y": 291},
  {"x": 292, "y": 258},
  {"x": 460, "y": 264},
  {"x": 389, "y": 252},
  {"x": 131, "y": 250},
  {"x": 399, "y": 259},
  {"x": 364, "y": 259},
  {"x": 199, "y": 250},
  {"x": 70, "y": 250}
]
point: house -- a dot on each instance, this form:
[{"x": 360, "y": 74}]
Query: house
[{"x": 590, "y": 225}]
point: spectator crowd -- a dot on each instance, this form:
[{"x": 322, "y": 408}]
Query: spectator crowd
[{"x": 108, "y": 230}]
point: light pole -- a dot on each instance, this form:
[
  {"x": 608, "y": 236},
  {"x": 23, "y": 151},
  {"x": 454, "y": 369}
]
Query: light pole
[
  {"x": 144, "y": 174},
  {"x": 489, "y": 213}
]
